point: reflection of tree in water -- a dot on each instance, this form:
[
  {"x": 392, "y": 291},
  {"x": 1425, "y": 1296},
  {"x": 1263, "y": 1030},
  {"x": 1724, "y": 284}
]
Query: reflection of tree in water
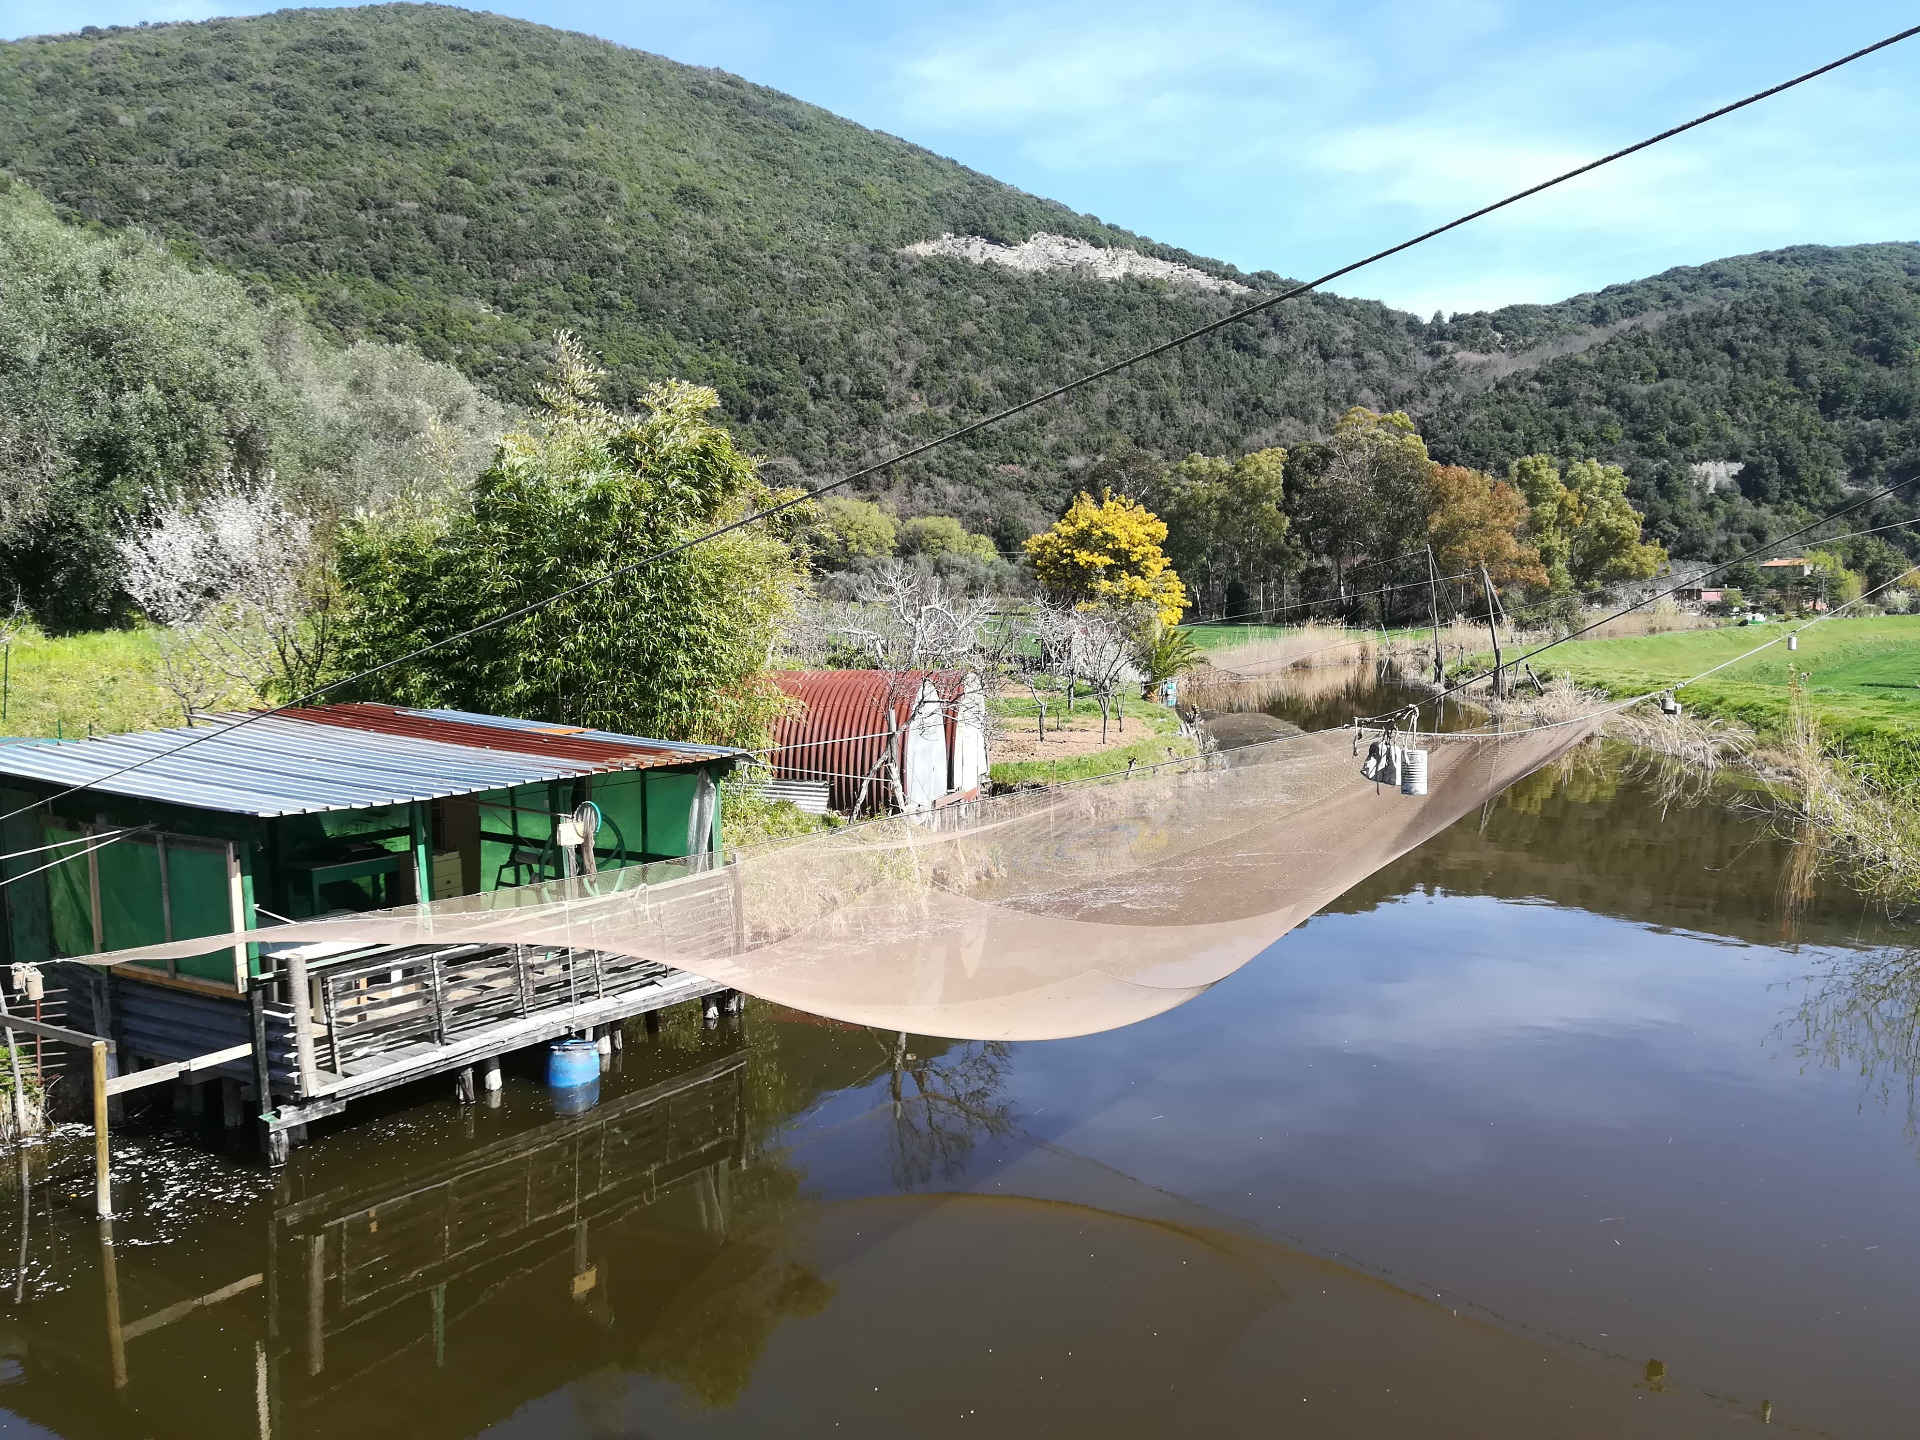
[
  {"x": 1583, "y": 776},
  {"x": 1862, "y": 1012},
  {"x": 945, "y": 1099},
  {"x": 709, "y": 1337},
  {"x": 709, "y": 1340},
  {"x": 943, "y": 1107}
]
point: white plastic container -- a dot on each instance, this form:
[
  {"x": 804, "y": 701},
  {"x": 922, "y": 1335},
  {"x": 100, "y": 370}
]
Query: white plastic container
[{"x": 1413, "y": 772}]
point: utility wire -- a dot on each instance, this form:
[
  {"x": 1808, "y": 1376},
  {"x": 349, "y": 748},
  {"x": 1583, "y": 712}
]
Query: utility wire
[
  {"x": 1326, "y": 600},
  {"x": 1000, "y": 416}
]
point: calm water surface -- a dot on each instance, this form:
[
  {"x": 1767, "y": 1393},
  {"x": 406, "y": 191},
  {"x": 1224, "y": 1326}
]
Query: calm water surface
[{"x": 1585, "y": 1119}]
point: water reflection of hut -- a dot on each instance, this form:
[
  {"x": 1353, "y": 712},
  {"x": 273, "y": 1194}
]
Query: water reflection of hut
[
  {"x": 376, "y": 1268},
  {"x": 418, "y": 1276},
  {"x": 883, "y": 739}
]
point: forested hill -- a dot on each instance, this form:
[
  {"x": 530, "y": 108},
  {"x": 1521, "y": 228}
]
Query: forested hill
[
  {"x": 469, "y": 183},
  {"x": 1804, "y": 392},
  {"x": 1799, "y": 268}
]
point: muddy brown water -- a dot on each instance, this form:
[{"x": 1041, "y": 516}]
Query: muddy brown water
[{"x": 1591, "y": 1117}]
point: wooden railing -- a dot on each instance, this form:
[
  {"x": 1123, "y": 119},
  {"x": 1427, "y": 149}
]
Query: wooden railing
[{"x": 434, "y": 995}]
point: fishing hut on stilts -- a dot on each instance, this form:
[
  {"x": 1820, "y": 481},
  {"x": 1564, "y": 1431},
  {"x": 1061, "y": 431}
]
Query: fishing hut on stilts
[{"x": 322, "y": 811}]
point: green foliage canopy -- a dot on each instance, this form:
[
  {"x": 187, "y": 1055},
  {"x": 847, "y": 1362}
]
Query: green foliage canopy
[
  {"x": 1363, "y": 494},
  {"x": 676, "y": 649},
  {"x": 129, "y": 379},
  {"x": 122, "y": 374},
  {"x": 849, "y": 529},
  {"x": 944, "y": 535},
  {"x": 1584, "y": 528},
  {"x": 1226, "y": 521}
]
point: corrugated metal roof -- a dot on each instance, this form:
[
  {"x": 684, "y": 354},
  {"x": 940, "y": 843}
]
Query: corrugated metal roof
[
  {"x": 501, "y": 722},
  {"x": 339, "y": 757},
  {"x": 840, "y": 732}
]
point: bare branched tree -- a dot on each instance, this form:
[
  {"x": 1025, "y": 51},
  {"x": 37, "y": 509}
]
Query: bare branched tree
[
  {"x": 235, "y": 576},
  {"x": 909, "y": 619},
  {"x": 1107, "y": 643},
  {"x": 1054, "y": 628}
]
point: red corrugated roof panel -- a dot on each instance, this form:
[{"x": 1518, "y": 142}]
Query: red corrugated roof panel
[{"x": 558, "y": 742}]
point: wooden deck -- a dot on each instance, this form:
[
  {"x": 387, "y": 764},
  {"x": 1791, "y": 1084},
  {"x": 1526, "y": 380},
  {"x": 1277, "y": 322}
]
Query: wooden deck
[
  {"x": 379, "y": 1018},
  {"x": 388, "y": 1018}
]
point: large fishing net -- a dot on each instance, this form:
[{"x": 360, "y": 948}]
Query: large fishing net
[{"x": 1027, "y": 916}]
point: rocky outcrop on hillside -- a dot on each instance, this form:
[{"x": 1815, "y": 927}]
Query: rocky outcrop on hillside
[{"x": 1043, "y": 253}]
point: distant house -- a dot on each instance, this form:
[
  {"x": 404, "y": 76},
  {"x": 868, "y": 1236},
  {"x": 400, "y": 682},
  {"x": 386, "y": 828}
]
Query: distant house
[
  {"x": 1691, "y": 587},
  {"x": 1795, "y": 566}
]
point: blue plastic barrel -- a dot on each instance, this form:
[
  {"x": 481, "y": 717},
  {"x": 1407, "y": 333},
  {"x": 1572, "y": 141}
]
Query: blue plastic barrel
[
  {"x": 575, "y": 1099},
  {"x": 573, "y": 1063}
]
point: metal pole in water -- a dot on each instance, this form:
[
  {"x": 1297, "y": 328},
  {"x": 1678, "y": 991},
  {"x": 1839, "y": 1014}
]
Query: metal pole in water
[{"x": 1493, "y": 630}]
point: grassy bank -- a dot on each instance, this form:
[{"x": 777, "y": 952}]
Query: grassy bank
[
  {"x": 1152, "y": 736},
  {"x": 1863, "y": 685},
  {"x": 108, "y": 681}
]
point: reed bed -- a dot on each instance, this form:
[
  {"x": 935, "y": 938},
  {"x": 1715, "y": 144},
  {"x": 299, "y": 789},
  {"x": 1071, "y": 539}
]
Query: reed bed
[
  {"x": 1872, "y": 827},
  {"x": 1829, "y": 807},
  {"x": 1214, "y": 693},
  {"x": 1309, "y": 645},
  {"x": 1663, "y": 617}
]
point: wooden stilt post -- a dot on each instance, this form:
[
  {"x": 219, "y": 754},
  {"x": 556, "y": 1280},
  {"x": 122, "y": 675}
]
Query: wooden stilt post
[
  {"x": 102, "y": 1155},
  {"x": 300, "y": 996},
  {"x": 262, "y": 1391},
  {"x": 262, "y": 1069},
  {"x": 316, "y": 1302},
  {"x": 110, "y": 1278},
  {"x": 26, "y": 1222},
  {"x": 19, "y": 1084}
]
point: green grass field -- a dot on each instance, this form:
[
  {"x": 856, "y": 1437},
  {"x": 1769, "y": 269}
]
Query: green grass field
[
  {"x": 1863, "y": 679},
  {"x": 107, "y": 681},
  {"x": 1221, "y": 637}
]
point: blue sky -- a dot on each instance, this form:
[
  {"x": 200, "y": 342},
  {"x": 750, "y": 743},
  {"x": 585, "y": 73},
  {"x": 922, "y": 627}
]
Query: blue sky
[{"x": 1294, "y": 135}]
